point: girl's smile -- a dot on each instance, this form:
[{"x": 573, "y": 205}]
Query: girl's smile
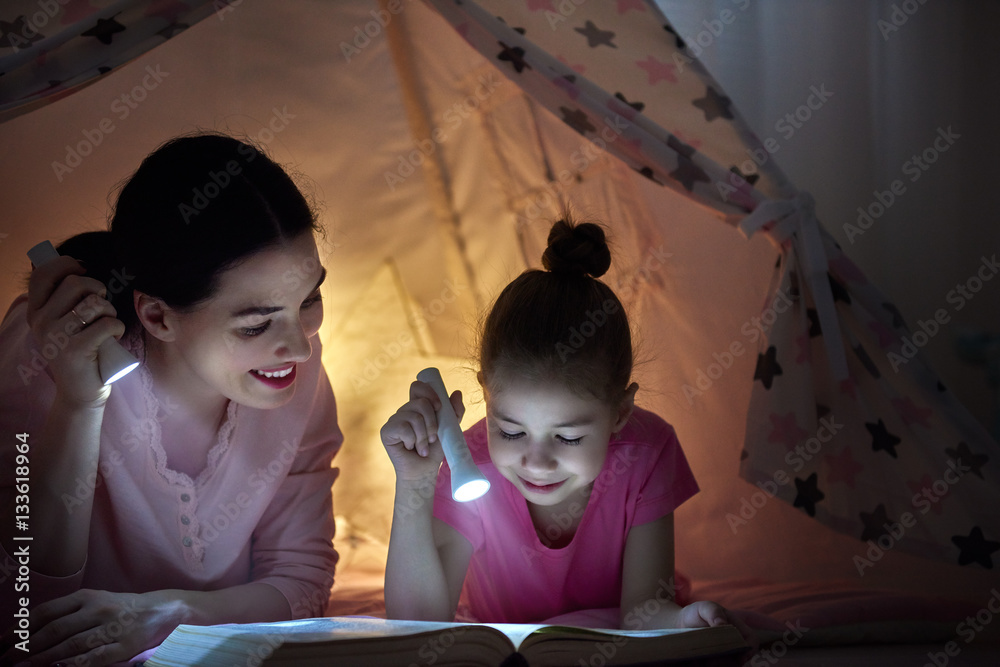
[{"x": 548, "y": 441}]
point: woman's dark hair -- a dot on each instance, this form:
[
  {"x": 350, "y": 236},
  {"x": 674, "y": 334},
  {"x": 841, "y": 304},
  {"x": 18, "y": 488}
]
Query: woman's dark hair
[
  {"x": 195, "y": 207},
  {"x": 561, "y": 324}
]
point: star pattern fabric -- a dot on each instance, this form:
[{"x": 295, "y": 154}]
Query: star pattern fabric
[
  {"x": 79, "y": 42},
  {"x": 597, "y": 37},
  {"x": 714, "y": 105},
  {"x": 882, "y": 440},
  {"x": 807, "y": 494},
  {"x": 874, "y": 523},
  {"x": 843, "y": 467},
  {"x": 105, "y": 30},
  {"x": 18, "y": 34},
  {"x": 578, "y": 120},
  {"x": 786, "y": 430},
  {"x": 963, "y": 455},
  {"x": 686, "y": 138},
  {"x": 767, "y": 367},
  {"x": 657, "y": 70},
  {"x": 515, "y": 56},
  {"x": 975, "y": 548}
]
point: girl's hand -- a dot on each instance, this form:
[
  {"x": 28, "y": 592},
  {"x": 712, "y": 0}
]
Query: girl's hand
[
  {"x": 705, "y": 614},
  {"x": 410, "y": 435},
  {"x": 70, "y": 318},
  {"x": 95, "y": 628}
]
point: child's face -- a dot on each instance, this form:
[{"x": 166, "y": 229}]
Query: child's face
[
  {"x": 259, "y": 320},
  {"x": 547, "y": 440}
]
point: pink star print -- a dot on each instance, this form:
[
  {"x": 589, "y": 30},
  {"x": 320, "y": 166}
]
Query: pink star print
[
  {"x": 924, "y": 487},
  {"x": 625, "y": 5},
  {"x": 786, "y": 430},
  {"x": 165, "y": 9},
  {"x": 658, "y": 70},
  {"x": 843, "y": 468},
  {"x": 693, "y": 143},
  {"x": 582, "y": 69},
  {"x": 848, "y": 386},
  {"x": 803, "y": 343},
  {"x": 910, "y": 413},
  {"x": 885, "y": 336},
  {"x": 845, "y": 269},
  {"x": 535, "y": 5}
]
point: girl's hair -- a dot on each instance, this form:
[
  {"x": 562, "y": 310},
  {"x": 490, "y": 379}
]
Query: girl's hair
[
  {"x": 195, "y": 207},
  {"x": 561, "y": 324}
]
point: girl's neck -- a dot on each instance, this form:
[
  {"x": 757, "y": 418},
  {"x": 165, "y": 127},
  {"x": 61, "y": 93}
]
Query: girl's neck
[{"x": 556, "y": 525}]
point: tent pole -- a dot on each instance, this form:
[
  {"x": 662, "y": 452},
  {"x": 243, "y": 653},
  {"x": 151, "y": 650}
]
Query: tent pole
[{"x": 435, "y": 171}]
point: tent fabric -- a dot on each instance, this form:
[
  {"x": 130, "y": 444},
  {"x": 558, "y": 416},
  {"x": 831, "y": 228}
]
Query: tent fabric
[
  {"x": 56, "y": 46},
  {"x": 409, "y": 301},
  {"x": 603, "y": 74}
]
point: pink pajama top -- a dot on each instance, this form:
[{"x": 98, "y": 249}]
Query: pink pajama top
[
  {"x": 261, "y": 511},
  {"x": 514, "y": 576}
]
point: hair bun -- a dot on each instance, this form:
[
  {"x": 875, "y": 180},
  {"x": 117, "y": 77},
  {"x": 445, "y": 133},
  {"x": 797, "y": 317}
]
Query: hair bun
[{"x": 577, "y": 248}]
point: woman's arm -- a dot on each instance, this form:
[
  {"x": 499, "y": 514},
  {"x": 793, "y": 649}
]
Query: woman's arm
[
  {"x": 101, "y": 628},
  {"x": 66, "y": 450}
]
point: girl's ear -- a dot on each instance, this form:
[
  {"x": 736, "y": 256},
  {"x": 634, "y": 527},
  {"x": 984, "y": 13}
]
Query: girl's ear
[
  {"x": 155, "y": 315},
  {"x": 625, "y": 407}
]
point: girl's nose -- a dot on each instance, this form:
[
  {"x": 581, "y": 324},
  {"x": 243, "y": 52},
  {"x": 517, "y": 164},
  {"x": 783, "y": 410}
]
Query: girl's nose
[{"x": 538, "y": 457}]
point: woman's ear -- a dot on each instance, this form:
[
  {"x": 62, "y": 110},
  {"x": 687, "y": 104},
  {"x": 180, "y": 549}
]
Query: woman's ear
[
  {"x": 156, "y": 316},
  {"x": 625, "y": 407}
]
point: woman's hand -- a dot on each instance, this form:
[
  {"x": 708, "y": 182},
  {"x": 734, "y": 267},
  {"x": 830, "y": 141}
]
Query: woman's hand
[
  {"x": 705, "y": 614},
  {"x": 70, "y": 318},
  {"x": 410, "y": 435},
  {"x": 96, "y": 628}
]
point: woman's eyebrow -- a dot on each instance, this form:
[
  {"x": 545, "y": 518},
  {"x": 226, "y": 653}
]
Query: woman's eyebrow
[{"x": 267, "y": 310}]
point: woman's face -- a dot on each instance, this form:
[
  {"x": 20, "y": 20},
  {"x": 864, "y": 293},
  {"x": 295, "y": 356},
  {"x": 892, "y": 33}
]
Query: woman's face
[
  {"x": 548, "y": 441},
  {"x": 247, "y": 340}
]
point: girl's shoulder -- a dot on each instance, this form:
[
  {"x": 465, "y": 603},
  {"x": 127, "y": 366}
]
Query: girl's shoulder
[{"x": 645, "y": 427}]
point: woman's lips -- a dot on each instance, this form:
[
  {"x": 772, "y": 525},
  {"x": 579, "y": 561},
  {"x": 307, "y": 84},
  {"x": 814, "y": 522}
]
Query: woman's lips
[{"x": 279, "y": 377}]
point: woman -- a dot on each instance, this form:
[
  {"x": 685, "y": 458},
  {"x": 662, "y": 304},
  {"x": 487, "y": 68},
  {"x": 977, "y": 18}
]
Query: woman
[{"x": 197, "y": 488}]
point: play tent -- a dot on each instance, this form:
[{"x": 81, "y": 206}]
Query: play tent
[{"x": 440, "y": 140}]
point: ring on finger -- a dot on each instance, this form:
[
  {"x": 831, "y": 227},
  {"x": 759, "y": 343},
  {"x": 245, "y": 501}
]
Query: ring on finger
[{"x": 83, "y": 322}]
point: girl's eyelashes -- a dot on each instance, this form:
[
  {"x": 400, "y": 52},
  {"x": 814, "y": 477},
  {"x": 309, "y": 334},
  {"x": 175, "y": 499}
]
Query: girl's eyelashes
[{"x": 514, "y": 436}]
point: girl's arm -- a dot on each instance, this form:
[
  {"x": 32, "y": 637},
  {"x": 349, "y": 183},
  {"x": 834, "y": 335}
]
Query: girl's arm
[
  {"x": 648, "y": 586},
  {"x": 648, "y": 577},
  {"x": 427, "y": 559}
]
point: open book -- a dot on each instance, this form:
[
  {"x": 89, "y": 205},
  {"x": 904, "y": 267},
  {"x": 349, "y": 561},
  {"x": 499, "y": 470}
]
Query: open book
[{"x": 365, "y": 642}]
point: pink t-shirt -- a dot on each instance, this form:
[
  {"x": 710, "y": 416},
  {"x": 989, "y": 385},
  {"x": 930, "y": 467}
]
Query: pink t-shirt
[
  {"x": 514, "y": 577},
  {"x": 261, "y": 511}
]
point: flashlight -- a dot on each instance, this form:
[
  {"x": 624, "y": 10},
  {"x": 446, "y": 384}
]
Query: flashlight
[
  {"x": 113, "y": 361},
  {"x": 467, "y": 482}
]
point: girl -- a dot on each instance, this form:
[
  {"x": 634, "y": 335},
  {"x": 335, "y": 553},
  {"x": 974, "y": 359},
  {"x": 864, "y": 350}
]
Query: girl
[
  {"x": 577, "y": 526},
  {"x": 196, "y": 489}
]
